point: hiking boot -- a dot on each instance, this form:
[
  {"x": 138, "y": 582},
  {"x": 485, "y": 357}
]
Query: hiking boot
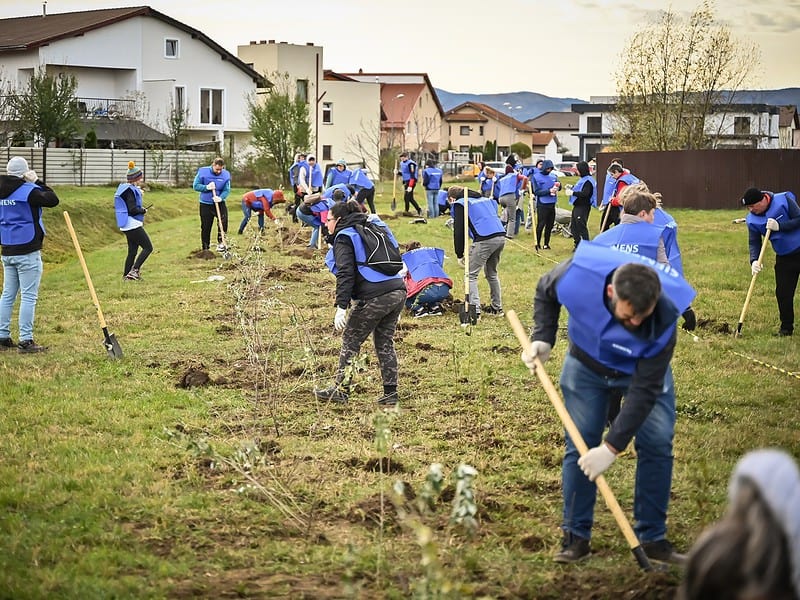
[
  {"x": 573, "y": 549},
  {"x": 388, "y": 399},
  {"x": 332, "y": 394},
  {"x": 663, "y": 551},
  {"x": 29, "y": 347},
  {"x": 420, "y": 311},
  {"x": 491, "y": 310},
  {"x": 7, "y": 344},
  {"x": 133, "y": 275}
]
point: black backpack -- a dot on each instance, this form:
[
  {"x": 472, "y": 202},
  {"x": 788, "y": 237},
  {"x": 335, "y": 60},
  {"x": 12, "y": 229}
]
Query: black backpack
[{"x": 382, "y": 254}]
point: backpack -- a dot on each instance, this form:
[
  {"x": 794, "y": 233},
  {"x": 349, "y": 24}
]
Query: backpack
[{"x": 381, "y": 252}]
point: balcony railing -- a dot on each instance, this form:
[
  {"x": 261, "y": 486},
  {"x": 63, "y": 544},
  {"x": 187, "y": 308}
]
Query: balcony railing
[{"x": 105, "y": 108}]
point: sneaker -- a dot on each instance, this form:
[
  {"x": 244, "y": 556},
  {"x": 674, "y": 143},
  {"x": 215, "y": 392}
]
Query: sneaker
[
  {"x": 491, "y": 310},
  {"x": 221, "y": 247},
  {"x": 436, "y": 310},
  {"x": 7, "y": 344},
  {"x": 449, "y": 223},
  {"x": 332, "y": 394},
  {"x": 388, "y": 399},
  {"x": 573, "y": 549},
  {"x": 546, "y": 247},
  {"x": 663, "y": 551},
  {"x": 420, "y": 311},
  {"x": 29, "y": 347},
  {"x": 133, "y": 275}
]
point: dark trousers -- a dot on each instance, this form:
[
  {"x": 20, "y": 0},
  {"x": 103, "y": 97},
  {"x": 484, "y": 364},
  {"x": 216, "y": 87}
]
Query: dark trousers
[
  {"x": 207, "y": 215},
  {"x": 579, "y": 223},
  {"x": 787, "y": 273},
  {"x": 613, "y": 217},
  {"x": 545, "y": 220},
  {"x": 368, "y": 196},
  {"x": 408, "y": 198},
  {"x": 137, "y": 238}
]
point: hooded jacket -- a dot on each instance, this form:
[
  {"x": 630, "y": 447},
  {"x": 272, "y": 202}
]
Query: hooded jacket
[{"x": 39, "y": 197}]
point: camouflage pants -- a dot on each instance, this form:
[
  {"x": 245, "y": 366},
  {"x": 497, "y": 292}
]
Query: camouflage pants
[{"x": 377, "y": 316}]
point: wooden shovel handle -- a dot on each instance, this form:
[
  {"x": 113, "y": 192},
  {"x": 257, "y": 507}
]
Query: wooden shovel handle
[
  {"x": 752, "y": 285},
  {"x": 85, "y": 269}
]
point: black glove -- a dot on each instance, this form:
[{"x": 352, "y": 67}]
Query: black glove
[{"x": 689, "y": 319}]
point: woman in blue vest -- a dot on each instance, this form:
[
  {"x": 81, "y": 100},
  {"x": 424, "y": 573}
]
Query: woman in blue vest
[
  {"x": 582, "y": 198},
  {"x": 339, "y": 174},
  {"x": 545, "y": 188},
  {"x": 365, "y": 189},
  {"x": 427, "y": 284},
  {"x": 130, "y": 213},
  {"x": 376, "y": 299},
  {"x": 508, "y": 188},
  {"x": 781, "y": 215},
  {"x": 432, "y": 182},
  {"x": 622, "y": 343},
  {"x": 487, "y": 181},
  {"x": 22, "y": 197},
  {"x": 214, "y": 185}
]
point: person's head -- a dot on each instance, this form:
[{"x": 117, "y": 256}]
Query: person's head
[
  {"x": 311, "y": 160},
  {"x": 404, "y": 156},
  {"x": 511, "y": 160},
  {"x": 488, "y": 171},
  {"x": 413, "y": 245},
  {"x": 454, "y": 192},
  {"x": 583, "y": 168},
  {"x": 339, "y": 210},
  {"x": 753, "y": 550},
  {"x": 756, "y": 201},
  {"x": 637, "y": 200},
  {"x": 217, "y": 165},
  {"x": 430, "y": 163},
  {"x": 17, "y": 166},
  {"x": 547, "y": 166},
  {"x": 618, "y": 161},
  {"x": 277, "y": 197},
  {"x": 135, "y": 175},
  {"x": 341, "y": 165},
  {"x": 338, "y": 195},
  {"x": 615, "y": 170},
  {"x": 634, "y": 291},
  {"x": 539, "y": 163},
  {"x": 509, "y": 169}
]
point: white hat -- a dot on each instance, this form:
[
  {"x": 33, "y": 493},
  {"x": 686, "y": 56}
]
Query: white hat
[{"x": 17, "y": 166}]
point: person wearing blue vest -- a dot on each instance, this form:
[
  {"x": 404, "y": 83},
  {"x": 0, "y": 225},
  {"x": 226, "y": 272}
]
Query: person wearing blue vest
[
  {"x": 432, "y": 182},
  {"x": 582, "y": 199},
  {"x": 365, "y": 189},
  {"x": 309, "y": 177},
  {"x": 488, "y": 240},
  {"x": 545, "y": 188},
  {"x": 487, "y": 181},
  {"x": 130, "y": 212},
  {"x": 338, "y": 174},
  {"x": 441, "y": 200},
  {"x": 669, "y": 234},
  {"x": 427, "y": 283},
  {"x": 294, "y": 175},
  {"x": 313, "y": 211},
  {"x": 377, "y": 300},
  {"x": 623, "y": 309},
  {"x": 22, "y": 197},
  {"x": 261, "y": 201},
  {"x": 508, "y": 188},
  {"x": 781, "y": 215},
  {"x": 617, "y": 179},
  {"x": 408, "y": 173},
  {"x": 214, "y": 185}
]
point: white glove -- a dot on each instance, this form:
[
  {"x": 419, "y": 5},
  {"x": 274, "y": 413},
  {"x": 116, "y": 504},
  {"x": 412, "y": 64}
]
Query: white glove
[
  {"x": 409, "y": 189},
  {"x": 772, "y": 224},
  {"x": 461, "y": 261},
  {"x": 596, "y": 461},
  {"x": 31, "y": 176},
  {"x": 278, "y": 223},
  {"x": 340, "y": 320},
  {"x": 211, "y": 186},
  {"x": 217, "y": 198},
  {"x": 538, "y": 349},
  {"x": 755, "y": 267}
]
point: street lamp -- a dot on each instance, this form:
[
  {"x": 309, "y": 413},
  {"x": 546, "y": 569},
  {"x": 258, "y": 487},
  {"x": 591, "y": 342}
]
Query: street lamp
[{"x": 511, "y": 123}]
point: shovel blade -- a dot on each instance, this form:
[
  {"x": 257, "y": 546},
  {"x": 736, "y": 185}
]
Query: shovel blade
[
  {"x": 394, "y": 204},
  {"x": 112, "y": 346}
]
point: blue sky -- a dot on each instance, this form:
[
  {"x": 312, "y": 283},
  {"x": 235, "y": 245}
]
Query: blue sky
[{"x": 565, "y": 49}]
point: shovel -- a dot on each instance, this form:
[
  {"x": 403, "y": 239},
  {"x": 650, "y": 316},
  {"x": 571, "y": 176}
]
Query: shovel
[
  {"x": 738, "y": 331},
  {"x": 109, "y": 340},
  {"x": 394, "y": 188},
  {"x": 468, "y": 313},
  {"x": 226, "y": 255}
]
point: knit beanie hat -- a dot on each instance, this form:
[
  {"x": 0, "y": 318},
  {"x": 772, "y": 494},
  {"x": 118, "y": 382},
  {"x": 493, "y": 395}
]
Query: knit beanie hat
[
  {"x": 277, "y": 197},
  {"x": 134, "y": 172},
  {"x": 17, "y": 166},
  {"x": 751, "y": 196}
]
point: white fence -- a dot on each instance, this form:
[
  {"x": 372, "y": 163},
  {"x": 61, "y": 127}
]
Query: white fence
[{"x": 82, "y": 166}]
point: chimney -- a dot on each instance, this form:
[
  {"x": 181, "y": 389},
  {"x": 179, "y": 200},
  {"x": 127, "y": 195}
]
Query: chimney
[{"x": 44, "y": 8}]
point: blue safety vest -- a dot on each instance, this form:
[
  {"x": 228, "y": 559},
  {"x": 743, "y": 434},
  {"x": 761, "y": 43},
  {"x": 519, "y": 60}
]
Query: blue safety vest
[
  {"x": 336, "y": 176},
  {"x": 328, "y": 193},
  {"x": 634, "y": 238},
  {"x": 579, "y": 186},
  {"x": 206, "y": 175},
  {"x": 315, "y": 178},
  {"x": 441, "y": 198},
  {"x": 483, "y": 216},
  {"x": 608, "y": 189},
  {"x": 432, "y": 178},
  {"x": 121, "y": 209},
  {"x": 783, "y": 242},
  {"x": 489, "y": 186},
  {"x": 509, "y": 184},
  {"x": 542, "y": 181},
  {"x": 16, "y": 220},
  {"x": 593, "y": 328},
  {"x": 361, "y": 256},
  {"x": 359, "y": 180},
  {"x": 405, "y": 170},
  {"x": 670, "y": 237},
  {"x": 263, "y": 193},
  {"x": 423, "y": 263}
]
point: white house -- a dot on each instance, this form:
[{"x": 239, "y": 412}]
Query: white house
[{"x": 564, "y": 125}]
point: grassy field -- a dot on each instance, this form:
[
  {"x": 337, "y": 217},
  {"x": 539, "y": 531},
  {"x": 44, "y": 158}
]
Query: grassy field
[{"x": 200, "y": 464}]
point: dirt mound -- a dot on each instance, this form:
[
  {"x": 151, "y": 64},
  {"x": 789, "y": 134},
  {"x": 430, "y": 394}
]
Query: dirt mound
[
  {"x": 203, "y": 254},
  {"x": 714, "y": 326},
  {"x": 195, "y": 375}
]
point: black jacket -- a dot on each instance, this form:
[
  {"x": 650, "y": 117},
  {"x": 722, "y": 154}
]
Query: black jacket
[{"x": 43, "y": 197}]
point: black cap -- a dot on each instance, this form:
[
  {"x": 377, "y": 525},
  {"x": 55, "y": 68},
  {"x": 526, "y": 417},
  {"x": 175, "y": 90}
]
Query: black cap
[{"x": 751, "y": 196}]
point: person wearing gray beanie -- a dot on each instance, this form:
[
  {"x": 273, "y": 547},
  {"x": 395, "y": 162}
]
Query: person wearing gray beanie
[{"x": 22, "y": 197}]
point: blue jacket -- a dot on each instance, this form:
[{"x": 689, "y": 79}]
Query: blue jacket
[{"x": 359, "y": 180}]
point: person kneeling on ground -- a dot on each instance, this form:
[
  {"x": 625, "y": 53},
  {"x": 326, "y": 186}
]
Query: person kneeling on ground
[{"x": 427, "y": 284}]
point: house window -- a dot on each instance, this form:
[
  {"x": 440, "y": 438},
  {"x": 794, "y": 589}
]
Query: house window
[
  {"x": 463, "y": 148},
  {"x": 171, "y": 48},
  {"x": 327, "y": 112},
  {"x": 594, "y": 124},
  {"x": 302, "y": 90},
  {"x": 327, "y": 152},
  {"x": 211, "y": 106},
  {"x": 741, "y": 125},
  {"x": 180, "y": 99},
  {"x": 480, "y": 131},
  {"x": 465, "y": 130}
]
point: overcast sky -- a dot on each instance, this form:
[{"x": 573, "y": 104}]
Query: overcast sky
[{"x": 568, "y": 49}]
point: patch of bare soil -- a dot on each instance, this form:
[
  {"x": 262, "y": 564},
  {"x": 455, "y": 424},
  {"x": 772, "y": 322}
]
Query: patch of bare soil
[
  {"x": 195, "y": 375},
  {"x": 203, "y": 254},
  {"x": 283, "y": 274},
  {"x": 714, "y": 326},
  {"x": 303, "y": 252}
]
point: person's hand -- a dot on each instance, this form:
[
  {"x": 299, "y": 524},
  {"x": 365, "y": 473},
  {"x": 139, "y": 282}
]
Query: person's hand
[
  {"x": 772, "y": 224},
  {"x": 144, "y": 211},
  {"x": 340, "y": 319},
  {"x": 540, "y": 350},
  {"x": 595, "y": 462},
  {"x": 689, "y": 319},
  {"x": 553, "y": 191},
  {"x": 30, "y": 176},
  {"x": 461, "y": 261},
  {"x": 614, "y": 201},
  {"x": 755, "y": 267},
  {"x": 278, "y": 223},
  {"x": 211, "y": 186},
  {"x": 217, "y": 198},
  {"x": 409, "y": 189}
]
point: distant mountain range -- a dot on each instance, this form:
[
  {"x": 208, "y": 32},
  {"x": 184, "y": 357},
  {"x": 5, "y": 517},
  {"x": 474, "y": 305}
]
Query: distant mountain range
[{"x": 534, "y": 104}]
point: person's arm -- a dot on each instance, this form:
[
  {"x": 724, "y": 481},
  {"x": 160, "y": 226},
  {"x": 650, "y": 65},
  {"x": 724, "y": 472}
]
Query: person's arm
[
  {"x": 754, "y": 243},
  {"x": 621, "y": 185},
  {"x": 198, "y": 185},
  {"x": 226, "y": 190},
  {"x": 345, "y": 257},
  {"x": 793, "y": 222},
  {"x": 267, "y": 211},
  {"x": 661, "y": 252},
  {"x": 412, "y": 172},
  {"x": 44, "y": 196},
  {"x": 585, "y": 193},
  {"x": 640, "y": 397},
  {"x": 546, "y": 307},
  {"x": 302, "y": 180},
  {"x": 130, "y": 203}
]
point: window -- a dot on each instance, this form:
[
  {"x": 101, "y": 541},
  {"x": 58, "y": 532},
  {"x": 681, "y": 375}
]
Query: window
[
  {"x": 741, "y": 125},
  {"x": 179, "y": 102},
  {"x": 327, "y": 112},
  {"x": 210, "y": 106},
  {"x": 302, "y": 90},
  {"x": 480, "y": 130},
  {"x": 171, "y": 48},
  {"x": 463, "y": 148},
  {"x": 594, "y": 124},
  {"x": 465, "y": 130},
  {"x": 327, "y": 152}
]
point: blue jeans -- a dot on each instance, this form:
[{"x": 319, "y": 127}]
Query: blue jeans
[
  {"x": 433, "y": 203},
  {"x": 21, "y": 274},
  {"x": 429, "y": 295},
  {"x": 247, "y": 212},
  {"x": 586, "y": 396},
  {"x": 314, "y": 222}
]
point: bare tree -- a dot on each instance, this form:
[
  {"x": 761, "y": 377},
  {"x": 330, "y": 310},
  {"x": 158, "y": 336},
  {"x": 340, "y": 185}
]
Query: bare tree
[
  {"x": 675, "y": 73},
  {"x": 366, "y": 143}
]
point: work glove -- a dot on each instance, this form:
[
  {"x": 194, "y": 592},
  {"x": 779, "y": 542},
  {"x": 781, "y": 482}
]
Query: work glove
[
  {"x": 461, "y": 261},
  {"x": 31, "y": 176},
  {"x": 540, "y": 350},
  {"x": 614, "y": 201},
  {"x": 340, "y": 319},
  {"x": 211, "y": 186},
  {"x": 689, "y": 319},
  {"x": 755, "y": 267},
  {"x": 595, "y": 462},
  {"x": 217, "y": 198},
  {"x": 772, "y": 224},
  {"x": 409, "y": 189},
  {"x": 278, "y": 223}
]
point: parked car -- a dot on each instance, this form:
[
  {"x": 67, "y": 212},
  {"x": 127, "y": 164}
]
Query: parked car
[
  {"x": 570, "y": 168},
  {"x": 471, "y": 170},
  {"x": 498, "y": 166}
]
